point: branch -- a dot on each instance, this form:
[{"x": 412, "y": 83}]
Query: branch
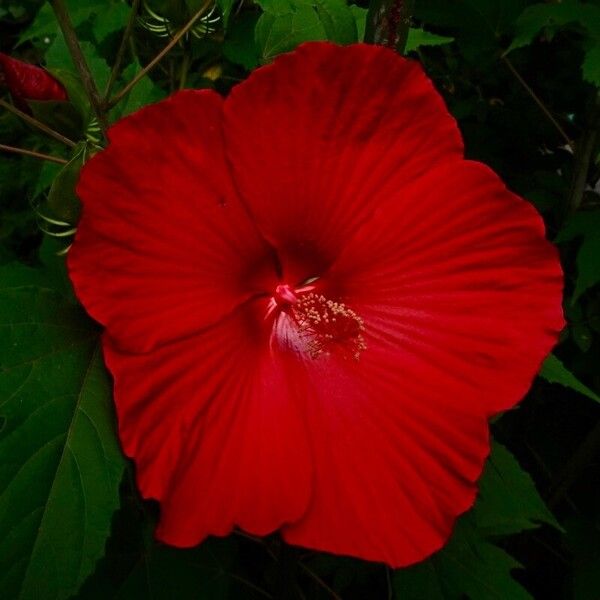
[
  {"x": 537, "y": 100},
  {"x": 66, "y": 26},
  {"x": 583, "y": 157},
  {"x": 13, "y": 150},
  {"x": 120, "y": 95},
  {"x": 121, "y": 51},
  {"x": 586, "y": 453},
  {"x": 32, "y": 121},
  {"x": 388, "y": 22},
  {"x": 316, "y": 578},
  {"x": 285, "y": 581}
]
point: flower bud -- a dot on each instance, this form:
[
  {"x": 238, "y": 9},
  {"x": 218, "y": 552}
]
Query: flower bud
[{"x": 28, "y": 82}]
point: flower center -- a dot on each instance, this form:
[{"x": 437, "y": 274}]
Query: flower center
[{"x": 314, "y": 325}]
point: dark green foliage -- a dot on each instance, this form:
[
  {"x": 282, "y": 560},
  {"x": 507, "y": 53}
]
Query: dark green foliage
[
  {"x": 61, "y": 462},
  {"x": 471, "y": 564}
]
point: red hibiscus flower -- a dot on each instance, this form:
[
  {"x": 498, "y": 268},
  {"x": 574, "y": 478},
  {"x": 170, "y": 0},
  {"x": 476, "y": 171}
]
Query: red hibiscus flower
[
  {"x": 312, "y": 303},
  {"x": 28, "y": 82}
]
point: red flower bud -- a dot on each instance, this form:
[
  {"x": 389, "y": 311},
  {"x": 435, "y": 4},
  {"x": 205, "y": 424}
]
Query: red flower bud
[{"x": 28, "y": 82}]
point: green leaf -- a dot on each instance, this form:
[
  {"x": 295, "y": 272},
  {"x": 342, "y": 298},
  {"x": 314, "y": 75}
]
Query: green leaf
[
  {"x": 477, "y": 25},
  {"x": 64, "y": 117},
  {"x": 45, "y": 177},
  {"x": 583, "y": 538},
  {"x": 136, "y": 566},
  {"x": 58, "y": 57},
  {"x": 497, "y": 16},
  {"x": 508, "y": 500},
  {"x": 582, "y": 336},
  {"x": 43, "y": 25},
  {"x": 62, "y": 203},
  {"x": 61, "y": 462},
  {"x": 591, "y": 64},
  {"x": 110, "y": 18},
  {"x": 77, "y": 98},
  {"x": 338, "y": 21},
  {"x": 285, "y": 24},
  {"x": 419, "y": 37},
  {"x": 419, "y": 582},
  {"x": 225, "y": 6},
  {"x": 163, "y": 573},
  {"x": 587, "y": 226},
  {"x": 468, "y": 566},
  {"x": 277, "y": 33},
  {"x": 240, "y": 46},
  {"x": 104, "y": 16},
  {"x": 478, "y": 569},
  {"x": 144, "y": 92},
  {"x": 554, "y": 371},
  {"x": 551, "y": 17},
  {"x": 360, "y": 18}
]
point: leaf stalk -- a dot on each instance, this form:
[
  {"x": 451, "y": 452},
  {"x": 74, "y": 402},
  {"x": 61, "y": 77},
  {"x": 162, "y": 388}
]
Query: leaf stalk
[
  {"x": 121, "y": 51},
  {"x": 38, "y": 124},
  {"x": 122, "y": 93},
  {"x": 68, "y": 31},
  {"x": 40, "y": 155},
  {"x": 538, "y": 101},
  {"x": 583, "y": 157}
]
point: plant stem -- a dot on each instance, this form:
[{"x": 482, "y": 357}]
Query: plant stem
[
  {"x": 121, "y": 94},
  {"x": 251, "y": 585},
  {"x": 184, "y": 68},
  {"x": 316, "y": 578},
  {"x": 13, "y": 150},
  {"x": 121, "y": 51},
  {"x": 584, "y": 455},
  {"x": 66, "y": 26},
  {"x": 35, "y": 123},
  {"x": 285, "y": 585},
  {"x": 388, "y": 23},
  {"x": 538, "y": 101},
  {"x": 583, "y": 156}
]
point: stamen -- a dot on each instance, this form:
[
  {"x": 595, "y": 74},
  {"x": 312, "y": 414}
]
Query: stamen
[{"x": 327, "y": 327}]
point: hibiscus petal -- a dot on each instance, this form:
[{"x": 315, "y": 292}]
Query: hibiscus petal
[
  {"x": 214, "y": 425},
  {"x": 455, "y": 271},
  {"x": 460, "y": 295},
  {"x": 164, "y": 247},
  {"x": 394, "y": 464},
  {"x": 313, "y": 136}
]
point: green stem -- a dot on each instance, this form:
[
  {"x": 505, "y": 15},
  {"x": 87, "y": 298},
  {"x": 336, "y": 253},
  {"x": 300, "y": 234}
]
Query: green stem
[
  {"x": 121, "y": 51},
  {"x": 35, "y": 123},
  {"x": 184, "y": 69},
  {"x": 587, "y": 452},
  {"x": 286, "y": 583},
  {"x": 23, "y": 151},
  {"x": 68, "y": 31},
  {"x": 319, "y": 581},
  {"x": 122, "y": 93},
  {"x": 538, "y": 101},
  {"x": 388, "y": 23}
]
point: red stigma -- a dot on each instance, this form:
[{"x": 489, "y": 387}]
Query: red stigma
[{"x": 285, "y": 295}]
